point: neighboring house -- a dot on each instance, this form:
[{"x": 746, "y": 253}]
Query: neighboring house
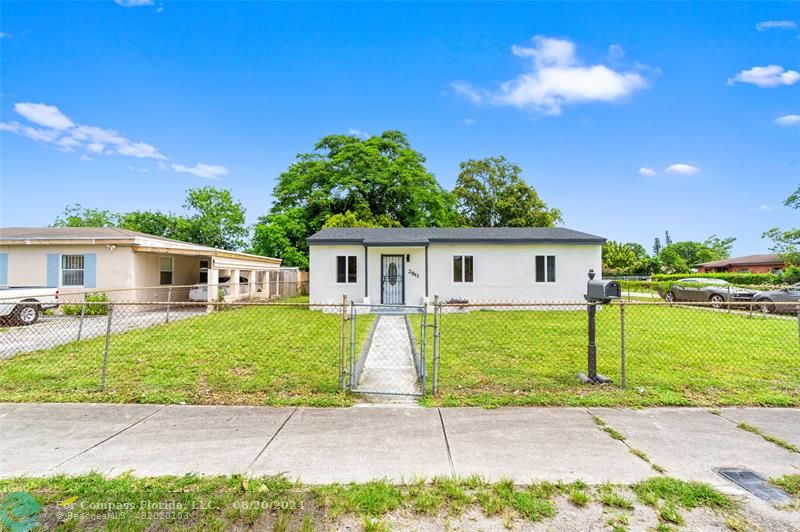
[
  {"x": 410, "y": 265},
  {"x": 767, "y": 263},
  {"x": 77, "y": 259}
]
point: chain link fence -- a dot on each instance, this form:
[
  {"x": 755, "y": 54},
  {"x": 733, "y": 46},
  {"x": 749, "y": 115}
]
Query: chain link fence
[{"x": 489, "y": 354}]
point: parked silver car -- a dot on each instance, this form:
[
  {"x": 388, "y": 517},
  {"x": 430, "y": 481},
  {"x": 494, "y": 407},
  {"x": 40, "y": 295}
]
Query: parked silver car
[
  {"x": 715, "y": 291},
  {"x": 768, "y": 298}
]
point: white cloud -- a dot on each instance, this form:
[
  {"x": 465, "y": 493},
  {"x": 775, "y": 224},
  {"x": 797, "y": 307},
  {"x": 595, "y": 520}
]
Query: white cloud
[
  {"x": 469, "y": 121},
  {"x": 646, "y": 172},
  {"x": 357, "y": 133},
  {"x": 160, "y": 9},
  {"x": 682, "y": 169},
  {"x": 209, "y": 171},
  {"x": 555, "y": 78},
  {"x": 616, "y": 53},
  {"x": 776, "y": 25},
  {"x": 788, "y": 120},
  {"x": 765, "y": 208},
  {"x": 44, "y": 115},
  {"x": 4, "y": 35},
  {"x": 139, "y": 169},
  {"x": 768, "y": 77},
  {"x": 85, "y": 157},
  {"x": 63, "y": 133},
  {"x": 133, "y": 3},
  {"x": 463, "y": 88}
]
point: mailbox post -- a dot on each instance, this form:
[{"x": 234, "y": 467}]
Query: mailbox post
[{"x": 597, "y": 292}]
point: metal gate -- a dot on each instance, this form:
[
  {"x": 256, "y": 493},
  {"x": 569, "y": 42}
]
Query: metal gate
[
  {"x": 392, "y": 358},
  {"x": 392, "y": 280}
]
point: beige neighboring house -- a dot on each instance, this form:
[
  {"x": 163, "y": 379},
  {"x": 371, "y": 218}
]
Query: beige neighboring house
[{"x": 126, "y": 264}]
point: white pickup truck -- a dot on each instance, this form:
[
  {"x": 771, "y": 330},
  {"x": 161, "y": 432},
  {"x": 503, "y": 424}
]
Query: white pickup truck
[{"x": 22, "y": 305}]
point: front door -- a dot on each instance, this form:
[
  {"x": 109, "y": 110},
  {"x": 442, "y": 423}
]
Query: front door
[{"x": 392, "y": 289}]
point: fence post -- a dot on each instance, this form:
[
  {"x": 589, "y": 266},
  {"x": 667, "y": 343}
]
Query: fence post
[
  {"x": 622, "y": 340},
  {"x": 105, "y": 352},
  {"x": 436, "y": 312},
  {"x": 798, "y": 323},
  {"x": 423, "y": 357},
  {"x": 169, "y": 300},
  {"x": 343, "y": 340},
  {"x": 80, "y": 323},
  {"x": 352, "y": 342}
]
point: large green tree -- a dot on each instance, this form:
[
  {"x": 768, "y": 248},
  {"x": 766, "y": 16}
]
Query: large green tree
[
  {"x": 77, "y": 216},
  {"x": 680, "y": 257},
  {"x": 786, "y": 242},
  {"x": 492, "y": 193},
  {"x": 212, "y": 218},
  {"x": 379, "y": 181}
]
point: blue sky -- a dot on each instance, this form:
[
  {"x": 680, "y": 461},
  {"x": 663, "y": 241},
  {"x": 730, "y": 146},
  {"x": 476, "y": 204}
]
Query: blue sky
[{"x": 125, "y": 107}]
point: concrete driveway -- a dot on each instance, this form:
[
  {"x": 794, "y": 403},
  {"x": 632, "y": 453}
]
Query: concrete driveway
[{"x": 51, "y": 331}]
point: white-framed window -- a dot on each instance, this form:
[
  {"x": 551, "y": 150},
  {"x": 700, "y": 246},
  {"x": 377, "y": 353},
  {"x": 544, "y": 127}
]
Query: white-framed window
[
  {"x": 545, "y": 269},
  {"x": 203, "y": 277},
  {"x": 346, "y": 269},
  {"x": 463, "y": 271},
  {"x": 72, "y": 270},
  {"x": 165, "y": 265}
]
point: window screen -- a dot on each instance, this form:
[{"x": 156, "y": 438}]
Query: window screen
[
  {"x": 165, "y": 270},
  {"x": 72, "y": 270}
]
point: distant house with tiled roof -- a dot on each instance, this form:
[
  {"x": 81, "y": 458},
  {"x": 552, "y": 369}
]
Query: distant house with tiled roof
[{"x": 765, "y": 263}]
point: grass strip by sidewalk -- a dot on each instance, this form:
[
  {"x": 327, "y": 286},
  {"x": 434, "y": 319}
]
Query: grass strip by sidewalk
[
  {"x": 221, "y": 503},
  {"x": 259, "y": 355},
  {"x": 769, "y": 437}
]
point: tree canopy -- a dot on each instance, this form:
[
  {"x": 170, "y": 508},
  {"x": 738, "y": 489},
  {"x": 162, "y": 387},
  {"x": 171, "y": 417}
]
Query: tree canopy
[
  {"x": 379, "y": 181},
  {"x": 213, "y": 218},
  {"x": 492, "y": 193},
  {"x": 787, "y": 242}
]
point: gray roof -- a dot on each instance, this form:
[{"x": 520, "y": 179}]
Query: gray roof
[
  {"x": 397, "y": 236},
  {"x": 74, "y": 233}
]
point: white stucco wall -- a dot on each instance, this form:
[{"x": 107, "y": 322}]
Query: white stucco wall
[
  {"x": 506, "y": 272},
  {"x": 502, "y": 272}
]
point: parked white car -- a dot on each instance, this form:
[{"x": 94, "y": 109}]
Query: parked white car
[
  {"x": 199, "y": 292},
  {"x": 23, "y": 305}
]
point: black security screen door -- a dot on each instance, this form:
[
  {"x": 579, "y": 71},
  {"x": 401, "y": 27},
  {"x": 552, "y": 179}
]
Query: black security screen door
[{"x": 392, "y": 292}]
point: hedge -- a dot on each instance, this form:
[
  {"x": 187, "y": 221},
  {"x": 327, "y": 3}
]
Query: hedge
[{"x": 745, "y": 279}]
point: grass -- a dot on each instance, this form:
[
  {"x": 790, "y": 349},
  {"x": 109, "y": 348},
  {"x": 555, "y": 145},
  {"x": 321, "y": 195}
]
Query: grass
[
  {"x": 236, "y": 502},
  {"x": 790, "y": 483},
  {"x": 676, "y": 356},
  {"x": 769, "y": 437},
  {"x": 667, "y": 495},
  {"x": 251, "y": 355}
]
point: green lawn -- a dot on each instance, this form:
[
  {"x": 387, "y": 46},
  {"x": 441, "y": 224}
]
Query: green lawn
[
  {"x": 675, "y": 356},
  {"x": 281, "y": 355}
]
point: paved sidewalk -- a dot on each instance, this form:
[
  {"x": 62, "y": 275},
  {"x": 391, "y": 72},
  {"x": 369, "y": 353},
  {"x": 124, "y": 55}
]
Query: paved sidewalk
[{"x": 368, "y": 442}]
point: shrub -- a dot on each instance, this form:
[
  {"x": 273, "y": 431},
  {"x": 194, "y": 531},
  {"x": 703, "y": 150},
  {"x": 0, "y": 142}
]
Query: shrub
[{"x": 95, "y": 306}]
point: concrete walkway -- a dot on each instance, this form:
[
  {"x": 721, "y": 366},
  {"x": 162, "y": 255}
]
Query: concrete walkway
[
  {"x": 370, "y": 442},
  {"x": 389, "y": 365}
]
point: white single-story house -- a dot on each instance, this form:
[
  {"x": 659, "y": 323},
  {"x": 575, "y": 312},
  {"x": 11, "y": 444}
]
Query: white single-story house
[
  {"x": 411, "y": 265},
  {"x": 126, "y": 264}
]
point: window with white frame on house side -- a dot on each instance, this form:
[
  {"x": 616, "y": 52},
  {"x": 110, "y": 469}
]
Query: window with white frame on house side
[
  {"x": 545, "y": 266},
  {"x": 72, "y": 270},
  {"x": 463, "y": 271},
  {"x": 165, "y": 270},
  {"x": 346, "y": 269}
]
